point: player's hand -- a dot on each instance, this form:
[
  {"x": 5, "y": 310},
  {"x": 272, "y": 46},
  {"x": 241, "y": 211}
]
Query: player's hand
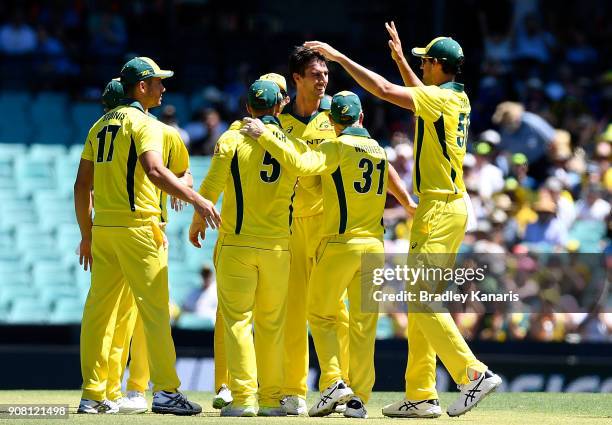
[
  {"x": 252, "y": 127},
  {"x": 85, "y": 257},
  {"x": 325, "y": 49},
  {"x": 411, "y": 207},
  {"x": 394, "y": 44},
  {"x": 162, "y": 227},
  {"x": 197, "y": 230},
  {"x": 207, "y": 211},
  {"x": 176, "y": 204}
]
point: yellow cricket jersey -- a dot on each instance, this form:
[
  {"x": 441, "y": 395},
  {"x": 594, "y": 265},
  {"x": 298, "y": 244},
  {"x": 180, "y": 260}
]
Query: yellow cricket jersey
[
  {"x": 122, "y": 191},
  {"x": 313, "y": 130},
  {"x": 353, "y": 169},
  {"x": 443, "y": 118},
  {"x": 257, "y": 191},
  {"x": 176, "y": 159}
]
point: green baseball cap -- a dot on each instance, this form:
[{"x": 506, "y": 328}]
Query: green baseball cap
[
  {"x": 113, "y": 94},
  {"x": 264, "y": 94},
  {"x": 345, "y": 107},
  {"x": 483, "y": 148},
  {"x": 519, "y": 159},
  {"x": 442, "y": 48},
  {"x": 141, "y": 68}
]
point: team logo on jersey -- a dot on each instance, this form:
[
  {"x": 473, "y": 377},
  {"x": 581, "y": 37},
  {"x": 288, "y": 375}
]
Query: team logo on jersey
[
  {"x": 217, "y": 149},
  {"x": 289, "y": 129},
  {"x": 413, "y": 245},
  {"x": 325, "y": 125},
  {"x": 259, "y": 93}
]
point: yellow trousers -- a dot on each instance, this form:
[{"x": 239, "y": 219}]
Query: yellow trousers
[
  {"x": 221, "y": 372},
  {"x": 134, "y": 255},
  {"x": 438, "y": 229},
  {"x": 305, "y": 237},
  {"x": 339, "y": 269},
  {"x": 128, "y": 341},
  {"x": 252, "y": 276}
]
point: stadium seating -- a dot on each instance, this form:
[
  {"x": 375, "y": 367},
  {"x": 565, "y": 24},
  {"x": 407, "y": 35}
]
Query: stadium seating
[{"x": 39, "y": 235}]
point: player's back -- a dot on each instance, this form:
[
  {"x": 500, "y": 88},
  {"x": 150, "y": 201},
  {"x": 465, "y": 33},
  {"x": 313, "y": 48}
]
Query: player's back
[
  {"x": 175, "y": 157},
  {"x": 257, "y": 192},
  {"x": 355, "y": 193},
  {"x": 122, "y": 191}
]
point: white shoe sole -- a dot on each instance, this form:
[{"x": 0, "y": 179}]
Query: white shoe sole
[
  {"x": 412, "y": 416},
  {"x": 343, "y": 399},
  {"x": 484, "y": 395},
  {"x": 132, "y": 410}
]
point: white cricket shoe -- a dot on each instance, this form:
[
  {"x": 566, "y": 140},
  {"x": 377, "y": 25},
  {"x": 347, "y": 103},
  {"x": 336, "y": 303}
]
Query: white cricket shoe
[
  {"x": 271, "y": 411},
  {"x": 413, "y": 409},
  {"x": 222, "y": 398},
  {"x": 474, "y": 392},
  {"x": 294, "y": 405},
  {"x": 133, "y": 403},
  {"x": 337, "y": 393},
  {"x": 174, "y": 404},
  {"x": 244, "y": 411},
  {"x": 340, "y": 409},
  {"x": 94, "y": 407},
  {"x": 355, "y": 409}
]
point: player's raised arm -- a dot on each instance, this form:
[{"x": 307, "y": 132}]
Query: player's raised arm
[
  {"x": 408, "y": 76},
  {"x": 369, "y": 80}
]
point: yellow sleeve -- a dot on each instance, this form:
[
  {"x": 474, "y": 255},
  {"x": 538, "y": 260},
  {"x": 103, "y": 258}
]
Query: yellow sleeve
[
  {"x": 428, "y": 101},
  {"x": 236, "y": 125},
  {"x": 88, "y": 153},
  {"x": 322, "y": 161},
  {"x": 219, "y": 170},
  {"x": 179, "y": 157},
  {"x": 148, "y": 136}
]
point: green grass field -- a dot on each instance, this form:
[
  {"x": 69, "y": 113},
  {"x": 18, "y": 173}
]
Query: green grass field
[{"x": 497, "y": 409}]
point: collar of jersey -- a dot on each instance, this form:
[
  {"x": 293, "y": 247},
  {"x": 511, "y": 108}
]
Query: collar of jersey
[
  {"x": 135, "y": 104},
  {"x": 270, "y": 119},
  {"x": 458, "y": 87},
  {"x": 323, "y": 106},
  {"x": 356, "y": 131}
]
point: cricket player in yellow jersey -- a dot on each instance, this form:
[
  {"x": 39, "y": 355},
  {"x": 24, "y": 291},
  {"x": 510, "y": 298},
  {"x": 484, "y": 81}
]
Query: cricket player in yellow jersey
[
  {"x": 128, "y": 336},
  {"x": 223, "y": 395},
  {"x": 122, "y": 159},
  {"x": 442, "y": 109},
  {"x": 306, "y": 118},
  {"x": 354, "y": 173},
  {"x": 252, "y": 257}
]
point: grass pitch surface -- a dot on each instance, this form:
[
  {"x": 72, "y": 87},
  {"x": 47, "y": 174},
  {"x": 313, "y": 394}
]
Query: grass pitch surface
[{"x": 497, "y": 409}]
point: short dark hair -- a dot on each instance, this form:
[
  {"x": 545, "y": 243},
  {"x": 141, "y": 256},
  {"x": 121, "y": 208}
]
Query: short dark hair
[
  {"x": 454, "y": 69},
  {"x": 128, "y": 88},
  {"x": 300, "y": 58}
]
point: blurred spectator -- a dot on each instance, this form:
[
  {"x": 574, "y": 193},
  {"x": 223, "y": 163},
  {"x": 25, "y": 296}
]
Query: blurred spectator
[
  {"x": 520, "y": 167},
  {"x": 168, "y": 116},
  {"x": 593, "y": 207},
  {"x": 489, "y": 177},
  {"x": 532, "y": 45},
  {"x": 203, "y": 300},
  {"x": 16, "y": 37},
  {"x": 109, "y": 37},
  {"x": 566, "y": 210},
  {"x": 547, "y": 229},
  {"x": 205, "y": 133},
  {"x": 524, "y": 132}
]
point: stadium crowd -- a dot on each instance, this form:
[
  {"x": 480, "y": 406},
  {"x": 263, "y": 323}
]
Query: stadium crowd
[{"x": 538, "y": 172}]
